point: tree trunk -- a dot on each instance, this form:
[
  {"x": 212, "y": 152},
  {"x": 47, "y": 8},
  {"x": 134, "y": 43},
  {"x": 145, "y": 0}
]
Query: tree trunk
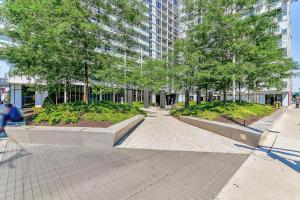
[
  {"x": 248, "y": 95},
  {"x": 56, "y": 98},
  {"x": 240, "y": 92},
  {"x": 66, "y": 92},
  {"x": 206, "y": 95},
  {"x": 233, "y": 81},
  {"x": 233, "y": 90},
  {"x": 225, "y": 93},
  {"x": 187, "y": 98},
  {"x": 198, "y": 96},
  {"x": 114, "y": 97},
  {"x": 86, "y": 84}
]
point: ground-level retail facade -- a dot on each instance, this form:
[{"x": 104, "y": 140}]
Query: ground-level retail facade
[
  {"x": 22, "y": 96},
  {"x": 263, "y": 97}
]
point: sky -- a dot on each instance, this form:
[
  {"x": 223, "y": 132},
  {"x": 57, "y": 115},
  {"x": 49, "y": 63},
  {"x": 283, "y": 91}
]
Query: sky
[{"x": 295, "y": 16}]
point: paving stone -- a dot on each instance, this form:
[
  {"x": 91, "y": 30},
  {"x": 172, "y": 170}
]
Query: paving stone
[
  {"x": 29, "y": 171},
  {"x": 163, "y": 132}
]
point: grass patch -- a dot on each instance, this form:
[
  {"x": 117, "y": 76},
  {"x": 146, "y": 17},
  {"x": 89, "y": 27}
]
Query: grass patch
[
  {"x": 74, "y": 112},
  {"x": 213, "y": 110}
]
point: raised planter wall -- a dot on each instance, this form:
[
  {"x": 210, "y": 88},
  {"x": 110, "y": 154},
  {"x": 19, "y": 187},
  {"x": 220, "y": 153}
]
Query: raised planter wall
[
  {"x": 249, "y": 135},
  {"x": 73, "y": 135},
  {"x": 235, "y": 132}
]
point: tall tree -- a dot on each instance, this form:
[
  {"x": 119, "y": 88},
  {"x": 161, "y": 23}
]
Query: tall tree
[{"x": 66, "y": 40}]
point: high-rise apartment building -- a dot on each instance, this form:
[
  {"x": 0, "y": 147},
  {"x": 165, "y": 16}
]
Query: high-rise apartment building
[
  {"x": 164, "y": 26},
  {"x": 155, "y": 37}
]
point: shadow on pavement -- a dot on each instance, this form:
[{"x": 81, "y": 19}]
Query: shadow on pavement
[
  {"x": 21, "y": 153},
  {"x": 273, "y": 153}
]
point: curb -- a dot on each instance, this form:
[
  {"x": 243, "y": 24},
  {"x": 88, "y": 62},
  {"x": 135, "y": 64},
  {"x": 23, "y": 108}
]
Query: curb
[{"x": 267, "y": 132}]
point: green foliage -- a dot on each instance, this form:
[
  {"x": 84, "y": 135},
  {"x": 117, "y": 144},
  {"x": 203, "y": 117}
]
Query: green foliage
[
  {"x": 58, "y": 41},
  {"x": 223, "y": 46},
  {"x": 110, "y": 117},
  {"x": 211, "y": 110},
  {"x": 47, "y": 102},
  {"x": 73, "y": 112},
  {"x": 138, "y": 104}
]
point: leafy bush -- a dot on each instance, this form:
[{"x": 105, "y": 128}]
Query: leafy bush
[
  {"x": 73, "y": 112},
  {"x": 110, "y": 117},
  {"x": 47, "y": 101},
  {"x": 138, "y": 104},
  {"x": 208, "y": 115},
  {"x": 211, "y": 110}
]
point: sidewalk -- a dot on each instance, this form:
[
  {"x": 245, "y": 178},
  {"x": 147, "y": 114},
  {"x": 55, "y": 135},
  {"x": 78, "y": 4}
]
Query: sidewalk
[
  {"x": 161, "y": 131},
  {"x": 272, "y": 172},
  {"x": 3, "y": 142}
]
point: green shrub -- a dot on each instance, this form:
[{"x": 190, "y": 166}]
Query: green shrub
[
  {"x": 211, "y": 110},
  {"x": 55, "y": 118},
  {"x": 138, "y": 104},
  {"x": 109, "y": 117},
  {"x": 42, "y": 117},
  {"x": 47, "y": 101},
  {"x": 73, "y": 112},
  {"x": 208, "y": 115}
]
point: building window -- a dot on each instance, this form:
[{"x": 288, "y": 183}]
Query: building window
[
  {"x": 158, "y": 5},
  {"x": 284, "y": 11},
  {"x": 284, "y": 31}
]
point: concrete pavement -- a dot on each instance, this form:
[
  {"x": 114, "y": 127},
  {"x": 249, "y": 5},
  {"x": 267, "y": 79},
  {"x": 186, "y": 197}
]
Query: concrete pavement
[
  {"x": 57, "y": 172},
  {"x": 161, "y": 131},
  {"x": 3, "y": 142},
  {"x": 272, "y": 172}
]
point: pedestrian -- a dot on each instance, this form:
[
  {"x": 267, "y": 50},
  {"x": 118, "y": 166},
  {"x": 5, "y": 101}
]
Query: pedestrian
[
  {"x": 2, "y": 107},
  {"x": 11, "y": 113}
]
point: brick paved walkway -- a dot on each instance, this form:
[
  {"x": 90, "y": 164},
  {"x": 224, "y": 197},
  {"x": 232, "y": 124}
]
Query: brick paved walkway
[
  {"x": 163, "y": 132},
  {"x": 65, "y": 172}
]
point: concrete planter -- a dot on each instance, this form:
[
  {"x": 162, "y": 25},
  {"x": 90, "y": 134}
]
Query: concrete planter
[
  {"x": 249, "y": 135},
  {"x": 73, "y": 135}
]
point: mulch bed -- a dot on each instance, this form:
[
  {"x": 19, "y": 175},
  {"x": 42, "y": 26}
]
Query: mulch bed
[{"x": 81, "y": 123}]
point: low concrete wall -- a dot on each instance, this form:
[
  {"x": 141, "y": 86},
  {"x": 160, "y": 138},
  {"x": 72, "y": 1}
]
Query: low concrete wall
[
  {"x": 249, "y": 135},
  {"x": 235, "y": 132},
  {"x": 73, "y": 135}
]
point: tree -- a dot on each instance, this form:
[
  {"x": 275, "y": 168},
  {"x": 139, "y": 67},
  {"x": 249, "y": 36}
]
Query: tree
[
  {"x": 238, "y": 44},
  {"x": 60, "y": 41},
  {"x": 185, "y": 67},
  {"x": 269, "y": 64},
  {"x": 153, "y": 75}
]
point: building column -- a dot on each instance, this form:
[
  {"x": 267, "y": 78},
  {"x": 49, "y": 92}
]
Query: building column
[
  {"x": 129, "y": 96},
  {"x": 198, "y": 96},
  {"x": 146, "y": 98},
  {"x": 40, "y": 96},
  {"x": 162, "y": 98},
  {"x": 16, "y": 95}
]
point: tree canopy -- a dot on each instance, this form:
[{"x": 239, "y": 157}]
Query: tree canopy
[
  {"x": 61, "y": 41},
  {"x": 227, "y": 42}
]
